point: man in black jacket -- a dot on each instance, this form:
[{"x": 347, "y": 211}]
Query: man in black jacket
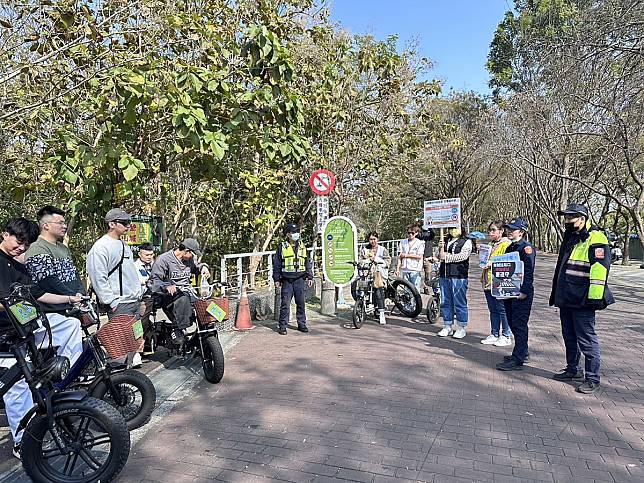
[
  {"x": 291, "y": 271},
  {"x": 579, "y": 288}
]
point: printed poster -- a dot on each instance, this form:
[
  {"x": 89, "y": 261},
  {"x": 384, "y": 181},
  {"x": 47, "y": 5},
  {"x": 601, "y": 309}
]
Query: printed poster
[{"x": 507, "y": 276}]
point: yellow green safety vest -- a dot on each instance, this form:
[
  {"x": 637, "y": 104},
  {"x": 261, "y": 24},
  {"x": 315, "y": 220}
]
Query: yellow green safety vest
[
  {"x": 579, "y": 267},
  {"x": 288, "y": 256},
  {"x": 498, "y": 250}
]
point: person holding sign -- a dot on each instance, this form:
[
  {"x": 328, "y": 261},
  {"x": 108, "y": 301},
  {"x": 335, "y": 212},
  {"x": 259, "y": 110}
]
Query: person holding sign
[
  {"x": 454, "y": 255},
  {"x": 518, "y": 309},
  {"x": 498, "y": 318},
  {"x": 579, "y": 288},
  {"x": 292, "y": 269}
]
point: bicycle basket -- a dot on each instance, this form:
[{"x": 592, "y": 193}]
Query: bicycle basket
[
  {"x": 205, "y": 317},
  {"x": 121, "y": 334}
]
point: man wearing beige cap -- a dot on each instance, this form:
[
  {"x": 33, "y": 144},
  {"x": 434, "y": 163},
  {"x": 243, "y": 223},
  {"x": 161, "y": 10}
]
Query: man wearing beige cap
[{"x": 111, "y": 269}]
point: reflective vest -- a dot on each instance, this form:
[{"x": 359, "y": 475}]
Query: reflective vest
[
  {"x": 579, "y": 269},
  {"x": 291, "y": 264}
]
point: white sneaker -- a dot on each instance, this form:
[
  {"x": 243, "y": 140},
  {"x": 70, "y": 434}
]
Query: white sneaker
[
  {"x": 447, "y": 330},
  {"x": 490, "y": 339},
  {"x": 460, "y": 333},
  {"x": 503, "y": 341},
  {"x": 383, "y": 321}
]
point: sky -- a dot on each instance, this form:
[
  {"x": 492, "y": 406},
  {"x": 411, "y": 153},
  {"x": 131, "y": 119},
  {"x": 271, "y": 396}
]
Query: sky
[{"x": 454, "y": 34}]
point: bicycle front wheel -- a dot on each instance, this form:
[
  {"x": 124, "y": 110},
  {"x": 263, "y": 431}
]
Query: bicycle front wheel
[
  {"x": 96, "y": 444},
  {"x": 358, "y": 313}
]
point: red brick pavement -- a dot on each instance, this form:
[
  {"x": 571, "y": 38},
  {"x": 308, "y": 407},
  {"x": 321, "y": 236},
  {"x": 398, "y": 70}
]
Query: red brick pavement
[{"x": 399, "y": 403}]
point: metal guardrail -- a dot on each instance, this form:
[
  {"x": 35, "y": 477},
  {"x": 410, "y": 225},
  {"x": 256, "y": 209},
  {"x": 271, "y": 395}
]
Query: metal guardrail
[{"x": 257, "y": 267}]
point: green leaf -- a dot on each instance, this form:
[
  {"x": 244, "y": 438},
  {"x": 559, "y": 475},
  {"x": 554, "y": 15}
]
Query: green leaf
[{"x": 130, "y": 172}]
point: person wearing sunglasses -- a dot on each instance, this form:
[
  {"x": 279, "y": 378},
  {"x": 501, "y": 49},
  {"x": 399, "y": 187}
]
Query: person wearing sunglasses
[
  {"x": 410, "y": 258},
  {"x": 111, "y": 269}
]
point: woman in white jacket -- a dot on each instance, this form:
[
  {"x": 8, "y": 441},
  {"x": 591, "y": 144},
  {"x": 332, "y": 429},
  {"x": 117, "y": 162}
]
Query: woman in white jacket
[{"x": 379, "y": 254}]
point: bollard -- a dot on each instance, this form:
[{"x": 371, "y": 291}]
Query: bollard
[{"x": 327, "y": 299}]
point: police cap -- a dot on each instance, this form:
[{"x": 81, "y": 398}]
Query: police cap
[
  {"x": 574, "y": 209},
  {"x": 291, "y": 228},
  {"x": 517, "y": 224}
]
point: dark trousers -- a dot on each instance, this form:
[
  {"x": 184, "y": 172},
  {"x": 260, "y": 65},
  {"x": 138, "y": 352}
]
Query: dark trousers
[
  {"x": 293, "y": 287},
  {"x": 177, "y": 307},
  {"x": 578, "y": 331},
  {"x": 518, "y": 313},
  {"x": 379, "y": 298}
]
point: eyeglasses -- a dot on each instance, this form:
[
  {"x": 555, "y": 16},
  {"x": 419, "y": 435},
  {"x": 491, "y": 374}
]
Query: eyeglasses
[
  {"x": 411, "y": 232},
  {"x": 124, "y": 222},
  {"x": 58, "y": 223}
]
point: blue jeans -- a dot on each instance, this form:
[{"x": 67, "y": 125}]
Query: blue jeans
[
  {"x": 454, "y": 300},
  {"x": 414, "y": 278},
  {"x": 497, "y": 315}
]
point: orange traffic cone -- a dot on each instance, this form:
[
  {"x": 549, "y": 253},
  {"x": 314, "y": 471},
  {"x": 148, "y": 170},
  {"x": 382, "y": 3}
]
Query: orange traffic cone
[{"x": 242, "y": 320}]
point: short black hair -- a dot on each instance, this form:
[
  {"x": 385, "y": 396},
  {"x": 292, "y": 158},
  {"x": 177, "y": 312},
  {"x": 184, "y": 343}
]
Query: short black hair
[
  {"x": 48, "y": 210},
  {"x": 25, "y": 231},
  {"x": 146, "y": 246}
]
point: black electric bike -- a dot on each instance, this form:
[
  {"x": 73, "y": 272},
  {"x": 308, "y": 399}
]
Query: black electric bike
[
  {"x": 131, "y": 392},
  {"x": 402, "y": 292},
  {"x": 202, "y": 339},
  {"x": 69, "y": 437}
]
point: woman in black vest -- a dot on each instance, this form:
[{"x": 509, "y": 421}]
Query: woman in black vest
[{"x": 454, "y": 255}]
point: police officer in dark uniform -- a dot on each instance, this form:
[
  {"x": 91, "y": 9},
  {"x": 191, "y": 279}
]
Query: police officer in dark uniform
[
  {"x": 579, "y": 288},
  {"x": 518, "y": 310},
  {"x": 291, "y": 271}
]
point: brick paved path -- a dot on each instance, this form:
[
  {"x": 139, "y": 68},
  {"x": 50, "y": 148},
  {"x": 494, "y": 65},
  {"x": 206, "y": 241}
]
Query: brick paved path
[{"x": 398, "y": 402}]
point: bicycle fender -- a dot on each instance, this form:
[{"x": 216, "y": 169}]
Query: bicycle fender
[
  {"x": 69, "y": 396},
  {"x": 26, "y": 418}
]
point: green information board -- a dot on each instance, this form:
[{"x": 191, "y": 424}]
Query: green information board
[{"x": 339, "y": 248}]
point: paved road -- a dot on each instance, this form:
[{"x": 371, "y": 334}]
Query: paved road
[{"x": 397, "y": 402}]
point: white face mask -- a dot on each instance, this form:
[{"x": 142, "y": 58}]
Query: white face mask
[{"x": 295, "y": 236}]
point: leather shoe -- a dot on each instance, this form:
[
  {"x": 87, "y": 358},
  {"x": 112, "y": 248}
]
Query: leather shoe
[
  {"x": 282, "y": 331},
  {"x": 509, "y": 358},
  {"x": 303, "y": 328},
  {"x": 512, "y": 365},
  {"x": 567, "y": 375}
]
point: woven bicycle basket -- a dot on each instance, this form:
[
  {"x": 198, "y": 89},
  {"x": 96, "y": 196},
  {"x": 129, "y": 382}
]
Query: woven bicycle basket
[
  {"x": 205, "y": 318},
  {"x": 118, "y": 336}
]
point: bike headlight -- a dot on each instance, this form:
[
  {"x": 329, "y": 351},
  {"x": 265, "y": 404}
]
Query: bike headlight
[{"x": 55, "y": 369}]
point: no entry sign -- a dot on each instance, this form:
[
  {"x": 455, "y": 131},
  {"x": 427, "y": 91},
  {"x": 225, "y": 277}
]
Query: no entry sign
[{"x": 322, "y": 182}]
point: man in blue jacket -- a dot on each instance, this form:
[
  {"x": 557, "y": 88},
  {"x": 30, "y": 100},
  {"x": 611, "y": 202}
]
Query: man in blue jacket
[
  {"x": 579, "y": 288},
  {"x": 292, "y": 270},
  {"x": 518, "y": 310}
]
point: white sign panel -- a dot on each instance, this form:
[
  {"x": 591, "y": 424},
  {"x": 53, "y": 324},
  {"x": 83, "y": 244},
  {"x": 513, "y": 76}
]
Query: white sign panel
[
  {"x": 323, "y": 211},
  {"x": 442, "y": 213}
]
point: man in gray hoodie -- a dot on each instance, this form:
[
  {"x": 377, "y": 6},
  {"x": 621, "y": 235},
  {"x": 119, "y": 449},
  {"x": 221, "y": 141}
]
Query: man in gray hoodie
[
  {"x": 111, "y": 270},
  {"x": 170, "y": 279}
]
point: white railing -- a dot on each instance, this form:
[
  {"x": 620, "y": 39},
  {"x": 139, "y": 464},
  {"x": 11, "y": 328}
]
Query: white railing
[{"x": 242, "y": 271}]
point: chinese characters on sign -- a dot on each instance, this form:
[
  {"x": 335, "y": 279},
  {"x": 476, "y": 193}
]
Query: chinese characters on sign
[
  {"x": 339, "y": 250},
  {"x": 442, "y": 213}
]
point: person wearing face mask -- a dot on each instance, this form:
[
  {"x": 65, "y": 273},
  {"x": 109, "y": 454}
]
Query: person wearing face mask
[
  {"x": 380, "y": 255},
  {"x": 454, "y": 255},
  {"x": 500, "y": 335},
  {"x": 579, "y": 289},
  {"x": 292, "y": 270},
  {"x": 518, "y": 310}
]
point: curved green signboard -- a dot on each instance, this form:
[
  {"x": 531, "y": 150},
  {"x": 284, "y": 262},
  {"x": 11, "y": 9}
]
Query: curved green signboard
[{"x": 339, "y": 248}]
